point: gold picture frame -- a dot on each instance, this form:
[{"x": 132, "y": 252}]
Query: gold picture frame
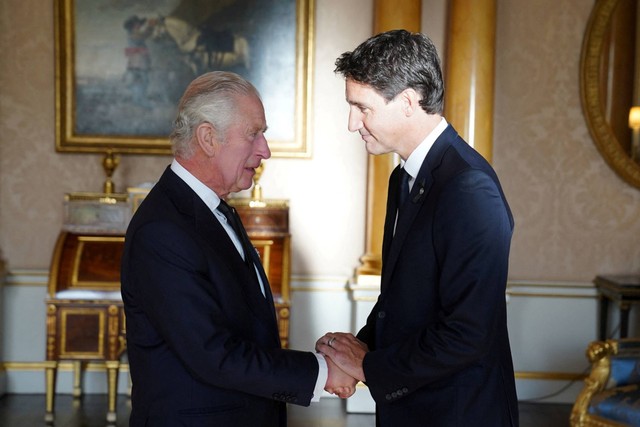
[{"x": 120, "y": 68}]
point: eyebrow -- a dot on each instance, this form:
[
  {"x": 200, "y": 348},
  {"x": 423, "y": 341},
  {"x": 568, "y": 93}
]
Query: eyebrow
[
  {"x": 258, "y": 129},
  {"x": 356, "y": 103}
]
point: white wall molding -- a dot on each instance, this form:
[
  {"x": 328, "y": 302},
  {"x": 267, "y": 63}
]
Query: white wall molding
[{"x": 550, "y": 325}]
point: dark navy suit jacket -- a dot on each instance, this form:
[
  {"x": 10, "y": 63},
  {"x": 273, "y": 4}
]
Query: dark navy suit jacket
[
  {"x": 202, "y": 340},
  {"x": 441, "y": 354}
]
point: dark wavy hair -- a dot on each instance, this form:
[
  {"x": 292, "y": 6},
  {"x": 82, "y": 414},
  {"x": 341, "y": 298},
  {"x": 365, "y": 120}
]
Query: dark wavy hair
[{"x": 396, "y": 60}]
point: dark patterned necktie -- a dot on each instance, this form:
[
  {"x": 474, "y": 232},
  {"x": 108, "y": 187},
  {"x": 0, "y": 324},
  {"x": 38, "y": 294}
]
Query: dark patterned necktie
[
  {"x": 251, "y": 257},
  {"x": 403, "y": 191},
  {"x": 234, "y": 220}
]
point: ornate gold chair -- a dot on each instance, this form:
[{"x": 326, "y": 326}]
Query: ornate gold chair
[{"x": 611, "y": 393}]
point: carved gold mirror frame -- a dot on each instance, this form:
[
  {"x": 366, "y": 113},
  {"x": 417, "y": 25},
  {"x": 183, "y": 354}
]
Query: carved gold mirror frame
[{"x": 591, "y": 74}]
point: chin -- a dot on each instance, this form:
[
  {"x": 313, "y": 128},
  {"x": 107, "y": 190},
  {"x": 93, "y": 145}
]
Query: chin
[
  {"x": 373, "y": 150},
  {"x": 245, "y": 185}
]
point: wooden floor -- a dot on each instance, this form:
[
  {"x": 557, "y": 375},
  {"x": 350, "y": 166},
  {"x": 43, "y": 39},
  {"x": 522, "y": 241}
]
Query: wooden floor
[{"x": 23, "y": 410}]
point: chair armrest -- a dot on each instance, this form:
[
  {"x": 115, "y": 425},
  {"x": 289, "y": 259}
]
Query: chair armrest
[
  {"x": 599, "y": 354},
  {"x": 613, "y": 363}
]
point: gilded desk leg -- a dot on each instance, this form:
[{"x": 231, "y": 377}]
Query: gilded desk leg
[
  {"x": 77, "y": 379},
  {"x": 604, "y": 313},
  {"x": 283, "y": 326},
  {"x": 112, "y": 378},
  {"x": 51, "y": 365},
  {"x": 624, "y": 319},
  {"x": 51, "y": 368}
]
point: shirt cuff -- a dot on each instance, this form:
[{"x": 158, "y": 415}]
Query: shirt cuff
[{"x": 323, "y": 374}]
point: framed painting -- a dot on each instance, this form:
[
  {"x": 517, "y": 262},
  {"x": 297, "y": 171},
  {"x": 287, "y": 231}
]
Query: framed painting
[{"x": 122, "y": 65}]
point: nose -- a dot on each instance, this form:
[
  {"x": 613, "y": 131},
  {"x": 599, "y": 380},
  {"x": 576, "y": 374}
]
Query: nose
[
  {"x": 262, "y": 147},
  {"x": 355, "y": 120}
]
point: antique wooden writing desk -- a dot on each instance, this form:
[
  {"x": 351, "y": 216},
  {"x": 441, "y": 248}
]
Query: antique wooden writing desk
[{"x": 85, "y": 316}]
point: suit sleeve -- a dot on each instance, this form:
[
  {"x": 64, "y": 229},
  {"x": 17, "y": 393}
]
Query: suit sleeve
[
  {"x": 471, "y": 238},
  {"x": 186, "y": 300}
]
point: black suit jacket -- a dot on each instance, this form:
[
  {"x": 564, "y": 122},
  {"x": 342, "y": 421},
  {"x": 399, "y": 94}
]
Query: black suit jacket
[
  {"x": 441, "y": 354},
  {"x": 202, "y": 340}
]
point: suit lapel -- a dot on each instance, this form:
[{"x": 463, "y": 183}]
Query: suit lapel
[
  {"x": 392, "y": 206},
  {"x": 418, "y": 196},
  {"x": 189, "y": 204},
  {"x": 215, "y": 234},
  {"x": 406, "y": 217}
]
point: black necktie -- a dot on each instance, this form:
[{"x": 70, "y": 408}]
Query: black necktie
[
  {"x": 234, "y": 220},
  {"x": 251, "y": 257},
  {"x": 403, "y": 190}
]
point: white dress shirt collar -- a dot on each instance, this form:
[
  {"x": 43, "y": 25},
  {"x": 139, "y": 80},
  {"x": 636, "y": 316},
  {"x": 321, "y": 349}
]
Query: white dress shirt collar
[
  {"x": 212, "y": 200},
  {"x": 416, "y": 158},
  {"x": 208, "y": 196}
]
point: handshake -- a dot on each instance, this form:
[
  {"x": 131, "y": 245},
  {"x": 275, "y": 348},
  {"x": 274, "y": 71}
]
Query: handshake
[{"x": 344, "y": 354}]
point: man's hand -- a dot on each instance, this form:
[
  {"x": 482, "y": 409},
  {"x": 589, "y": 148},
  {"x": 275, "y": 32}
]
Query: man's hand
[
  {"x": 346, "y": 351},
  {"x": 339, "y": 382}
]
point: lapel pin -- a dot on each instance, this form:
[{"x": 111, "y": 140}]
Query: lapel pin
[{"x": 418, "y": 196}]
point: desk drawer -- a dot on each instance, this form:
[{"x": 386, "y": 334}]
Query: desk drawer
[{"x": 264, "y": 220}]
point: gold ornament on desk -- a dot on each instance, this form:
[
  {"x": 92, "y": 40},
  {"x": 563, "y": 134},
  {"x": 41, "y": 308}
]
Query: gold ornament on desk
[
  {"x": 110, "y": 163},
  {"x": 257, "y": 200},
  {"x": 256, "y": 193}
]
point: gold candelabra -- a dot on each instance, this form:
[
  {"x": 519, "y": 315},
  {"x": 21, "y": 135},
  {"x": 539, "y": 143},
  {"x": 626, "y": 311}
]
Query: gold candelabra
[{"x": 634, "y": 124}]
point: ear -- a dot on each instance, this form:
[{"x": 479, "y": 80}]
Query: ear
[
  {"x": 410, "y": 101},
  {"x": 206, "y": 136}
]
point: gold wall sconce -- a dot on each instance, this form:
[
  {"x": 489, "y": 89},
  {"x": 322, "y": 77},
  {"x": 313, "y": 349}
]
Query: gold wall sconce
[{"x": 634, "y": 124}]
